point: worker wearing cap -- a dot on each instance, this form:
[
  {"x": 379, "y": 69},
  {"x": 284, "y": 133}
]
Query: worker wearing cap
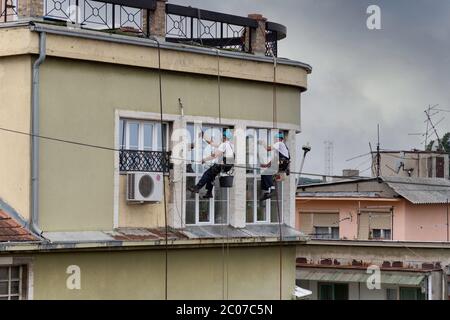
[
  {"x": 283, "y": 165},
  {"x": 222, "y": 159}
]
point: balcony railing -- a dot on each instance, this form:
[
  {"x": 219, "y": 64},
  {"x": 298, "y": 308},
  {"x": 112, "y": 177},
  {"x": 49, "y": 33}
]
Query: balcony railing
[
  {"x": 144, "y": 161},
  {"x": 8, "y": 10},
  {"x": 103, "y": 15},
  {"x": 182, "y": 24}
]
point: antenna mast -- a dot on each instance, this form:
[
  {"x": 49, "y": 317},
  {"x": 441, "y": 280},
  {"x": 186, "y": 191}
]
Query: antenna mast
[
  {"x": 378, "y": 152},
  {"x": 434, "y": 129},
  {"x": 329, "y": 150}
]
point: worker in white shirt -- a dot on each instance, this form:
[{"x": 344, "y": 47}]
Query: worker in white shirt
[
  {"x": 222, "y": 159},
  {"x": 284, "y": 160}
]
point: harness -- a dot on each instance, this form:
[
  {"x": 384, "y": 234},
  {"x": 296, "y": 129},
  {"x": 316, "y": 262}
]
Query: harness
[{"x": 284, "y": 162}]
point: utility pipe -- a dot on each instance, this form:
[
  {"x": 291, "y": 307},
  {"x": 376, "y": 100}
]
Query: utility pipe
[{"x": 34, "y": 216}]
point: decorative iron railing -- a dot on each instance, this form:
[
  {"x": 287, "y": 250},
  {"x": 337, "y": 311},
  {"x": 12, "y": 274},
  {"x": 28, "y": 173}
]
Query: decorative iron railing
[
  {"x": 103, "y": 15},
  {"x": 144, "y": 161},
  {"x": 182, "y": 24},
  {"x": 208, "y": 28},
  {"x": 220, "y": 30},
  {"x": 8, "y": 10}
]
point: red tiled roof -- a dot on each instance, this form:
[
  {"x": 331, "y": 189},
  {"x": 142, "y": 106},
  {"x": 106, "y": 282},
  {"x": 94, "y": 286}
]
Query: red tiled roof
[{"x": 12, "y": 231}]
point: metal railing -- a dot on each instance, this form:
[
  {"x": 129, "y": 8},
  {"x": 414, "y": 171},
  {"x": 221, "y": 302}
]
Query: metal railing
[
  {"x": 183, "y": 24},
  {"x": 100, "y": 15},
  {"x": 8, "y": 10},
  {"x": 144, "y": 161},
  {"x": 208, "y": 28},
  {"x": 220, "y": 30}
]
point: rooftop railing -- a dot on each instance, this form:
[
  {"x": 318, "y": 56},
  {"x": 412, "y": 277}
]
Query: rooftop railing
[{"x": 145, "y": 18}]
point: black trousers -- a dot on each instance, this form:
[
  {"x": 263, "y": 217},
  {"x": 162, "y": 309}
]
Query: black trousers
[
  {"x": 266, "y": 182},
  {"x": 208, "y": 178}
]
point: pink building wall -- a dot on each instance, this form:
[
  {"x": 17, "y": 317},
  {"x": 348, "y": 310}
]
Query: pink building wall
[
  {"x": 410, "y": 222},
  {"x": 426, "y": 222}
]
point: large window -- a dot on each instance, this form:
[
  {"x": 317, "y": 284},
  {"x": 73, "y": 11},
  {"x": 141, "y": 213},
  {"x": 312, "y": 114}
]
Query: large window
[
  {"x": 326, "y": 233},
  {"x": 199, "y": 210},
  {"x": 258, "y": 211},
  {"x": 142, "y": 135},
  {"x": 381, "y": 234},
  {"x": 333, "y": 291},
  {"x": 141, "y": 144},
  {"x": 11, "y": 283},
  {"x": 410, "y": 293}
]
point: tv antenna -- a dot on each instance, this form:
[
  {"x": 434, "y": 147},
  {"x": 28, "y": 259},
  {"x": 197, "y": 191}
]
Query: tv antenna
[
  {"x": 378, "y": 152},
  {"x": 431, "y": 126}
]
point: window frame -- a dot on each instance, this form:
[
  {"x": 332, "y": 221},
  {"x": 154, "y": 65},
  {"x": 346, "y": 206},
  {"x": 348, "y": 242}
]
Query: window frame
[
  {"x": 382, "y": 234},
  {"x": 255, "y": 175},
  {"x": 124, "y": 128},
  {"x": 198, "y": 128},
  {"x": 330, "y": 233},
  {"x": 21, "y": 294},
  {"x": 332, "y": 286}
]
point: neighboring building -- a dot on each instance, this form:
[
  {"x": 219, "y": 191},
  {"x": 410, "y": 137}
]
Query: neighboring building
[
  {"x": 414, "y": 164},
  {"x": 82, "y": 138},
  {"x": 347, "y": 270},
  {"x": 391, "y": 208},
  {"x": 348, "y": 220}
]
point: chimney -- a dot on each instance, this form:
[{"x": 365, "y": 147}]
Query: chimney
[
  {"x": 30, "y": 8},
  {"x": 157, "y": 20},
  {"x": 257, "y": 36}
]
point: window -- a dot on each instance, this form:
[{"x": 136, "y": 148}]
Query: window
[
  {"x": 11, "y": 282},
  {"x": 410, "y": 293},
  {"x": 391, "y": 294},
  {"x": 142, "y": 135},
  {"x": 333, "y": 291},
  {"x": 257, "y": 211},
  {"x": 448, "y": 288},
  {"x": 141, "y": 146},
  {"x": 199, "y": 210},
  {"x": 381, "y": 234},
  {"x": 329, "y": 233}
]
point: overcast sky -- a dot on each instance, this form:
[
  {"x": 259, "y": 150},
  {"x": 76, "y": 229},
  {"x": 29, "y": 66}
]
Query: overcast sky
[{"x": 361, "y": 77}]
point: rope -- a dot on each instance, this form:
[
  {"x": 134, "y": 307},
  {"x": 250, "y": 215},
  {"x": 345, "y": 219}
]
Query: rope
[
  {"x": 274, "y": 115},
  {"x": 163, "y": 146},
  {"x": 225, "y": 258}
]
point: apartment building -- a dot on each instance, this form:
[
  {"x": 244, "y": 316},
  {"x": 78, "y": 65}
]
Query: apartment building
[
  {"x": 102, "y": 103},
  {"x": 412, "y": 163},
  {"x": 397, "y": 226}
]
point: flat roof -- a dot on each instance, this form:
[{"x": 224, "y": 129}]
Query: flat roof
[{"x": 39, "y": 25}]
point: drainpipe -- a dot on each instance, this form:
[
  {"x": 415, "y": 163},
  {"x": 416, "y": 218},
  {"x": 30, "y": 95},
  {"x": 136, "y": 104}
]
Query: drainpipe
[{"x": 34, "y": 217}]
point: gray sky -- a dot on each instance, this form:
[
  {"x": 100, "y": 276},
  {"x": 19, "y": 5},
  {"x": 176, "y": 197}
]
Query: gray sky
[{"x": 361, "y": 77}]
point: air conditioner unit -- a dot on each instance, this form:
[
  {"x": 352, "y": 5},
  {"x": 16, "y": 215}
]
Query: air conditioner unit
[{"x": 145, "y": 187}]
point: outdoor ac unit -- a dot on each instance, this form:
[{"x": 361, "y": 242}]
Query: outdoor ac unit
[{"x": 145, "y": 187}]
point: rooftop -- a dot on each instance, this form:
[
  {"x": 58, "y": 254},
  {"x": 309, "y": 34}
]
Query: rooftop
[
  {"x": 13, "y": 231},
  {"x": 251, "y": 34},
  {"x": 415, "y": 190},
  {"x": 132, "y": 238}
]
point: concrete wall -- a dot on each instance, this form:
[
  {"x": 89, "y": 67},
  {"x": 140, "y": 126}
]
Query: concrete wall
[
  {"x": 410, "y": 222},
  {"x": 426, "y": 222},
  {"x": 253, "y": 273},
  {"x": 413, "y": 255},
  {"x": 15, "y": 93},
  {"x": 79, "y": 101},
  {"x": 417, "y": 161},
  {"x": 348, "y": 214}
]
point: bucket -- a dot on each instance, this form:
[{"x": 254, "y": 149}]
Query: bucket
[{"x": 226, "y": 181}]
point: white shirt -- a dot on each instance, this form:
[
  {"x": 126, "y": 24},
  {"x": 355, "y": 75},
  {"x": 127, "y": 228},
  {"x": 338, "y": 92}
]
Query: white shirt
[
  {"x": 227, "y": 150},
  {"x": 281, "y": 148}
]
